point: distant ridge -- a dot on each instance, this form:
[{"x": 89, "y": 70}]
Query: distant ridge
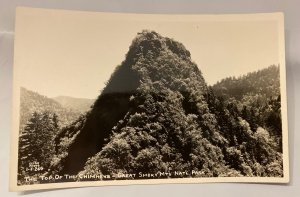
[
  {"x": 264, "y": 82},
  {"x": 80, "y": 105},
  {"x": 34, "y": 102}
]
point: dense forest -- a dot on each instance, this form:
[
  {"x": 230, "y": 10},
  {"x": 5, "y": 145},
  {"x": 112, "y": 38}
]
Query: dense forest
[
  {"x": 157, "y": 114},
  {"x": 257, "y": 98}
]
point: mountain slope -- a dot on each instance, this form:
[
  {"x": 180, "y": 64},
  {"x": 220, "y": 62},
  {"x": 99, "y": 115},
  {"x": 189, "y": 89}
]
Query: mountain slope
[
  {"x": 80, "y": 105},
  {"x": 264, "y": 82},
  {"x": 31, "y": 102},
  {"x": 157, "y": 114}
]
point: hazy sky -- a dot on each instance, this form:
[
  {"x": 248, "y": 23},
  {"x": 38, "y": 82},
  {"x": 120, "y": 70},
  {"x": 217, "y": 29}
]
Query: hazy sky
[{"x": 74, "y": 53}]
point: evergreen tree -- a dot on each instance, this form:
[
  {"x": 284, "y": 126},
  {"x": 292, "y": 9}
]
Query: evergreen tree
[{"x": 36, "y": 146}]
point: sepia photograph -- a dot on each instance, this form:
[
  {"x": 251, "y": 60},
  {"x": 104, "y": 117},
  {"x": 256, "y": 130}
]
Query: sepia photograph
[{"x": 120, "y": 99}]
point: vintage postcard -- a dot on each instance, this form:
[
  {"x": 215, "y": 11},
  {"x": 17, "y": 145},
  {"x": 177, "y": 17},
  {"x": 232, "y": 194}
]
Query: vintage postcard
[{"x": 117, "y": 99}]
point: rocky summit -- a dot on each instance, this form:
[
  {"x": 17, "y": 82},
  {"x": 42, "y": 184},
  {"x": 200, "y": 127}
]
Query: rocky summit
[{"x": 157, "y": 114}]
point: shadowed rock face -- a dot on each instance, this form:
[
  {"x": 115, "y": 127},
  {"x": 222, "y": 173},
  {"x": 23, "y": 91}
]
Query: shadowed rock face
[{"x": 109, "y": 108}]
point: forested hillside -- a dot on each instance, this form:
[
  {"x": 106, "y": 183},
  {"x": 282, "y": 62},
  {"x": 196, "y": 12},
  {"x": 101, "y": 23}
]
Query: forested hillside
[
  {"x": 263, "y": 84},
  {"x": 31, "y": 102},
  {"x": 257, "y": 97}
]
